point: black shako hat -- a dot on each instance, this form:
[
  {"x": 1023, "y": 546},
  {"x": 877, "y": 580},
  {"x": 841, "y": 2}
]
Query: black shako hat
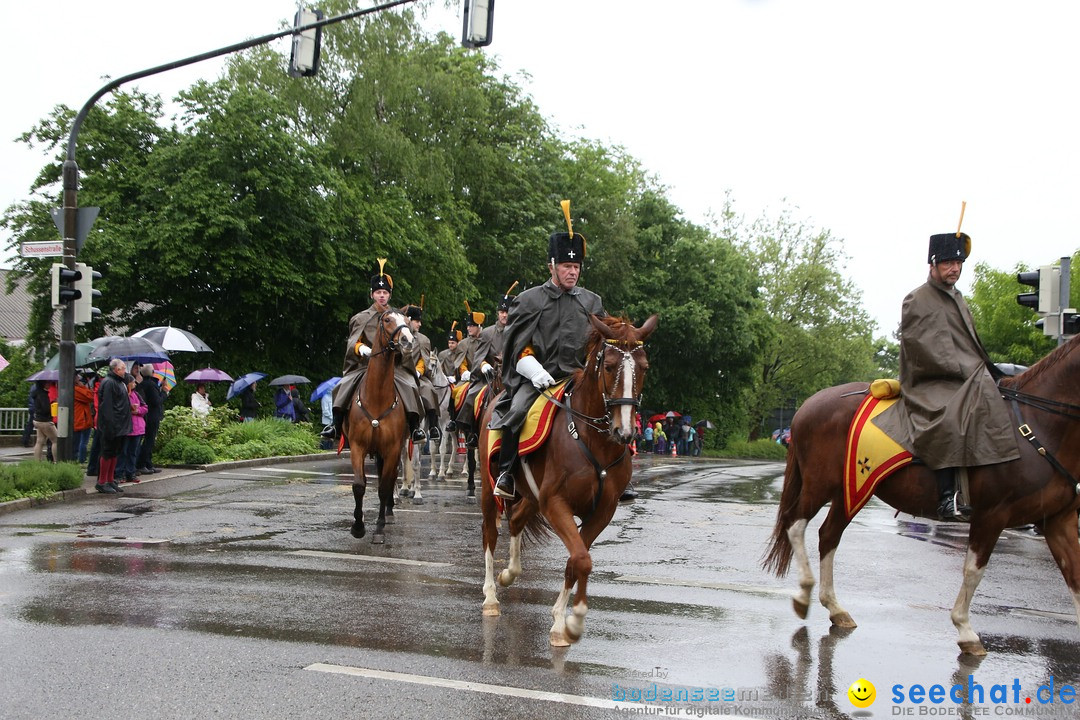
[
  {"x": 507, "y": 298},
  {"x": 414, "y": 312},
  {"x": 948, "y": 246},
  {"x": 454, "y": 333},
  {"x": 566, "y": 246},
  {"x": 381, "y": 280}
]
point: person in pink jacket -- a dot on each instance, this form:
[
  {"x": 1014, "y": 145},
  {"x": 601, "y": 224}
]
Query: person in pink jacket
[{"x": 125, "y": 470}]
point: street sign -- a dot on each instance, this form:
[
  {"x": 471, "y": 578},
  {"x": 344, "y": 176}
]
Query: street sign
[
  {"x": 42, "y": 249},
  {"x": 84, "y": 220}
]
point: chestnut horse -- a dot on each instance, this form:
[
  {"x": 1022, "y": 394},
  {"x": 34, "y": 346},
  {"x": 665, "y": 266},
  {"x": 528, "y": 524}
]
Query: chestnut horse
[
  {"x": 375, "y": 423},
  {"x": 1038, "y": 488},
  {"x": 581, "y": 470}
]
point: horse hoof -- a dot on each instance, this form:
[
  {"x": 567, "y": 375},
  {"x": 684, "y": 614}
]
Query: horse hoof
[
  {"x": 506, "y": 579},
  {"x": 411, "y": 493},
  {"x": 491, "y": 609},
  {"x": 389, "y": 519},
  {"x": 972, "y": 647},
  {"x": 403, "y": 493},
  {"x": 378, "y": 539},
  {"x": 441, "y": 478},
  {"x": 843, "y": 620},
  {"x": 557, "y": 639},
  {"x": 801, "y": 609},
  {"x": 357, "y": 530},
  {"x": 417, "y": 500}
]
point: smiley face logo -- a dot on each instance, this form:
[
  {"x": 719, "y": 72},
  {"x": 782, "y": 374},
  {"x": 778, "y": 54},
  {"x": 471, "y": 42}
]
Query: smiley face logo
[{"x": 862, "y": 693}]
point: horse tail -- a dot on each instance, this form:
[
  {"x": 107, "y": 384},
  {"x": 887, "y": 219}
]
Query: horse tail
[
  {"x": 778, "y": 558},
  {"x": 537, "y": 529}
]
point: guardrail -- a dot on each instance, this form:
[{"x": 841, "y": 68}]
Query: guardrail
[{"x": 13, "y": 420}]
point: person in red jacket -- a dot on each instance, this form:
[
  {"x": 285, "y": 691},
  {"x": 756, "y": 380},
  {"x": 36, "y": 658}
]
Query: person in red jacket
[{"x": 84, "y": 416}]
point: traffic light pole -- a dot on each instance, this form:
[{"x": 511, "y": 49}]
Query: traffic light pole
[
  {"x": 1065, "y": 297},
  {"x": 66, "y": 385}
]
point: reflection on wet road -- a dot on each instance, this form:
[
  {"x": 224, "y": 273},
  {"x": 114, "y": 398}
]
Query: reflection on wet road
[{"x": 677, "y": 598}]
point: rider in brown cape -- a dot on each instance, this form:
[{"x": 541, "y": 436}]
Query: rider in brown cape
[{"x": 950, "y": 413}]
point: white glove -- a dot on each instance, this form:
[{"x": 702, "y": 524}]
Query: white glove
[
  {"x": 487, "y": 370},
  {"x": 465, "y": 376},
  {"x": 529, "y": 367},
  {"x": 364, "y": 351},
  {"x": 451, "y": 379}
]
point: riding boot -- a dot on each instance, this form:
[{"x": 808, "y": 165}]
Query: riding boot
[
  {"x": 946, "y": 484},
  {"x": 466, "y": 429},
  {"x": 333, "y": 431},
  {"x": 414, "y": 427},
  {"x": 433, "y": 426},
  {"x": 504, "y": 486}
]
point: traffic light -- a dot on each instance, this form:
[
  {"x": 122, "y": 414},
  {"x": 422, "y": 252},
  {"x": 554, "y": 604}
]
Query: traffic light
[
  {"x": 84, "y": 302},
  {"x": 1046, "y": 281},
  {"x": 1072, "y": 324},
  {"x": 304, "y": 61},
  {"x": 479, "y": 17},
  {"x": 63, "y": 285}
]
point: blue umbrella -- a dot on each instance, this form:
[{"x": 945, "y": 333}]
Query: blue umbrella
[
  {"x": 243, "y": 383},
  {"x": 325, "y": 387}
]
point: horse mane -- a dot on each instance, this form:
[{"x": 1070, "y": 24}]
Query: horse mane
[{"x": 1042, "y": 366}]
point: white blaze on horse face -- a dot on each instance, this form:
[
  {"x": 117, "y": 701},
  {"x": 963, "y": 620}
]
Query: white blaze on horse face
[{"x": 625, "y": 416}]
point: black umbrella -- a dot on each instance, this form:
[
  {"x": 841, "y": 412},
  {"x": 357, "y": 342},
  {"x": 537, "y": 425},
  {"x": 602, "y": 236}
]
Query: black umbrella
[
  {"x": 290, "y": 380},
  {"x": 136, "y": 349}
]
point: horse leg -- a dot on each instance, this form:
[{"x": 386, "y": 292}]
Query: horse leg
[
  {"x": 405, "y": 476},
  {"x": 358, "y": 488},
  {"x": 796, "y": 533},
  {"x": 828, "y": 540},
  {"x": 491, "y": 537},
  {"x": 578, "y": 567},
  {"x": 382, "y": 468},
  {"x": 1060, "y": 532},
  {"x": 414, "y": 463},
  {"x": 470, "y": 458}
]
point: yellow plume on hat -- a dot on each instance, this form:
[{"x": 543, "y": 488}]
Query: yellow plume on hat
[
  {"x": 510, "y": 289},
  {"x": 421, "y": 301},
  {"x": 569, "y": 224}
]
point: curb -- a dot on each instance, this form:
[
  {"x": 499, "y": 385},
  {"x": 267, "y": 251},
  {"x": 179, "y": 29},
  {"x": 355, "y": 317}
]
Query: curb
[{"x": 84, "y": 491}]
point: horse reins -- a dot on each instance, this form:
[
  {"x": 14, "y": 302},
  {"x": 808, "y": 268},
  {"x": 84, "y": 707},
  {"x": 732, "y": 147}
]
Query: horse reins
[{"x": 1054, "y": 407}]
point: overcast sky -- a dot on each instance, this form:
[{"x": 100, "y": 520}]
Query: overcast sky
[{"x": 872, "y": 119}]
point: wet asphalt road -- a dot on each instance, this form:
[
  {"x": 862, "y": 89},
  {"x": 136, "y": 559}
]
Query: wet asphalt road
[{"x": 240, "y": 593}]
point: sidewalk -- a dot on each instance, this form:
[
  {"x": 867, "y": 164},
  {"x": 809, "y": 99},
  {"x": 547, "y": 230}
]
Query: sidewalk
[{"x": 19, "y": 453}]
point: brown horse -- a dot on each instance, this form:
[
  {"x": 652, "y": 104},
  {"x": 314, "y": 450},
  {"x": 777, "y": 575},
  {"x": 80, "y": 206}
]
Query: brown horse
[
  {"x": 581, "y": 470},
  {"x": 1038, "y": 488},
  {"x": 375, "y": 423}
]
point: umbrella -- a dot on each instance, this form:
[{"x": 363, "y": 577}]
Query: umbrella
[
  {"x": 659, "y": 417},
  {"x": 324, "y": 387},
  {"x": 166, "y": 375},
  {"x": 208, "y": 375},
  {"x": 82, "y": 357},
  {"x": 672, "y": 413},
  {"x": 243, "y": 383},
  {"x": 53, "y": 375},
  {"x": 128, "y": 348},
  {"x": 174, "y": 339},
  {"x": 290, "y": 380},
  {"x": 707, "y": 424}
]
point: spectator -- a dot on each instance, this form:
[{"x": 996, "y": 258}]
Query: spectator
[
  {"x": 300, "y": 410},
  {"x": 29, "y": 427},
  {"x": 151, "y": 394},
  {"x": 126, "y": 469},
  {"x": 83, "y": 416},
  {"x": 114, "y": 423},
  {"x": 659, "y": 439},
  {"x": 647, "y": 445},
  {"x": 249, "y": 406},
  {"x": 93, "y": 459},
  {"x": 283, "y": 402},
  {"x": 43, "y": 423},
  {"x": 200, "y": 403}
]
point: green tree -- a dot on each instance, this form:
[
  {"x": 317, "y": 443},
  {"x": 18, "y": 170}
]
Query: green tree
[
  {"x": 818, "y": 333},
  {"x": 1006, "y": 328}
]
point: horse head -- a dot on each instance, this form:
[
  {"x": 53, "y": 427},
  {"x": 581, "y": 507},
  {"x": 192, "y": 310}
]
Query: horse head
[
  {"x": 394, "y": 334},
  {"x": 616, "y": 361}
]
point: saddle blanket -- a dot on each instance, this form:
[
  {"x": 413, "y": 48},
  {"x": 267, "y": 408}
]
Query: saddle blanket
[
  {"x": 871, "y": 455},
  {"x": 537, "y": 425},
  {"x": 458, "y": 392}
]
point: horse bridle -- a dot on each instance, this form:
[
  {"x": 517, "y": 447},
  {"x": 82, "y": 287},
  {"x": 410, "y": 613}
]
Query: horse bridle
[
  {"x": 1054, "y": 407},
  {"x": 602, "y": 424}
]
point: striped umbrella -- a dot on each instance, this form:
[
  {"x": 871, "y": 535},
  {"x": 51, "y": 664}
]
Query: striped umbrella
[{"x": 166, "y": 375}]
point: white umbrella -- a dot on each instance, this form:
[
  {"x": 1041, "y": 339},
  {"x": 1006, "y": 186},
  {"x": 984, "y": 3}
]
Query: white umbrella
[{"x": 174, "y": 339}]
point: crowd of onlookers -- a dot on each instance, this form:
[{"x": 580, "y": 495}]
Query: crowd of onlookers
[
  {"x": 136, "y": 449},
  {"x": 659, "y": 437}
]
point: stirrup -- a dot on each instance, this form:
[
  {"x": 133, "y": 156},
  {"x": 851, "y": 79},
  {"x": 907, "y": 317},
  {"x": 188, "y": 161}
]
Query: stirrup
[
  {"x": 504, "y": 486},
  {"x": 418, "y": 435}
]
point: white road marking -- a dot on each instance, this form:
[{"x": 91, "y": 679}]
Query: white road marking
[
  {"x": 368, "y": 558},
  {"x": 509, "y": 691},
  {"x": 756, "y": 589}
]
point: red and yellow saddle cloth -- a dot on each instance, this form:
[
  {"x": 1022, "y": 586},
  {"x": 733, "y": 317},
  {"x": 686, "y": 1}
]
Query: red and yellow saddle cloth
[
  {"x": 871, "y": 455},
  {"x": 458, "y": 392},
  {"x": 537, "y": 425}
]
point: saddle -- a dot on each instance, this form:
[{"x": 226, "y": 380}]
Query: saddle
[
  {"x": 536, "y": 429},
  {"x": 870, "y": 455}
]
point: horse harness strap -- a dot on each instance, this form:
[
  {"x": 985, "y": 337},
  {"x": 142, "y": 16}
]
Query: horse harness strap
[
  {"x": 601, "y": 472},
  {"x": 1028, "y": 433},
  {"x": 375, "y": 420}
]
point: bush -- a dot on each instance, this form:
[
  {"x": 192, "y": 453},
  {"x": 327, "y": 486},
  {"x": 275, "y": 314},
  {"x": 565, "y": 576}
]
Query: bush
[
  {"x": 32, "y": 478},
  {"x": 190, "y": 440},
  {"x": 756, "y": 450}
]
